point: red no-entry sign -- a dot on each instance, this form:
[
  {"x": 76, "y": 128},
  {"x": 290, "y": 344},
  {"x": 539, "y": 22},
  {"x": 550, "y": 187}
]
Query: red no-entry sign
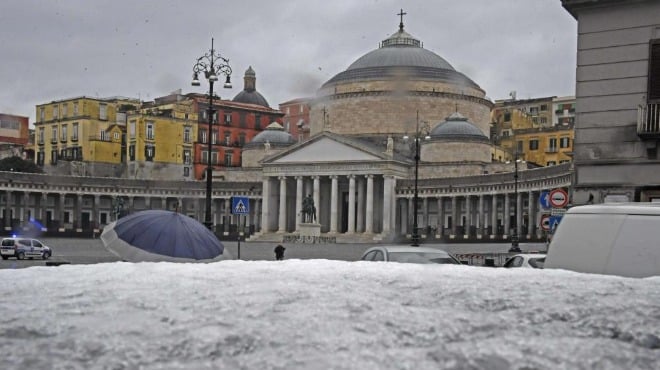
[
  {"x": 545, "y": 222},
  {"x": 558, "y": 198}
]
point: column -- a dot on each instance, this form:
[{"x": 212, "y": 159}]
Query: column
[
  {"x": 95, "y": 212},
  {"x": 506, "y": 217},
  {"x": 26, "y": 207},
  {"x": 351, "y": 204},
  {"x": 425, "y": 216},
  {"x": 131, "y": 204},
  {"x": 388, "y": 189},
  {"x": 265, "y": 205},
  {"x": 481, "y": 217},
  {"x": 226, "y": 214},
  {"x": 454, "y": 215},
  {"x": 60, "y": 210},
  {"x": 163, "y": 203},
  {"x": 299, "y": 197},
  {"x": 282, "y": 216},
  {"x": 441, "y": 216},
  {"x": 519, "y": 208},
  {"x": 360, "y": 204},
  {"x": 468, "y": 216},
  {"x": 77, "y": 211},
  {"x": 317, "y": 198},
  {"x": 334, "y": 197},
  {"x": 43, "y": 203},
  {"x": 406, "y": 215},
  {"x": 37, "y": 207},
  {"x": 531, "y": 215},
  {"x": 493, "y": 216},
  {"x": 369, "y": 219}
]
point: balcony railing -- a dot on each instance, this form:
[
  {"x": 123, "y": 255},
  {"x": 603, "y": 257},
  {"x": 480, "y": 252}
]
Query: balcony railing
[{"x": 648, "y": 121}]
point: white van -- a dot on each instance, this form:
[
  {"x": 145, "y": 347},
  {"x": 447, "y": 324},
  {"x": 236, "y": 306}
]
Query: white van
[{"x": 612, "y": 238}]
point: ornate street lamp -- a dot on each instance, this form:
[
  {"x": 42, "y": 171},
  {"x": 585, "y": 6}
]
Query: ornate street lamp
[
  {"x": 420, "y": 133},
  {"x": 211, "y": 64},
  {"x": 514, "y": 236}
]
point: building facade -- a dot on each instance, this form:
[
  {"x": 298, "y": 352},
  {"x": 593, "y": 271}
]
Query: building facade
[
  {"x": 296, "y": 118},
  {"x": 617, "y": 127},
  {"x": 14, "y": 135}
]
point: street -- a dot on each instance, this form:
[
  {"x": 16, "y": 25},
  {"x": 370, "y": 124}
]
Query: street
[{"x": 89, "y": 251}]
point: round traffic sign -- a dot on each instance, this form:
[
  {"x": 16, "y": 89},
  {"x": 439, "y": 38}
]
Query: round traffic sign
[
  {"x": 545, "y": 222},
  {"x": 558, "y": 198}
]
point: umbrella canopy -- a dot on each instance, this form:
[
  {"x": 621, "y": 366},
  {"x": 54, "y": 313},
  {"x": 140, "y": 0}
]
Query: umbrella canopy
[{"x": 157, "y": 235}]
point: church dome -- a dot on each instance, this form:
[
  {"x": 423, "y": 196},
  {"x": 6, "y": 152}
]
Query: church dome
[
  {"x": 400, "y": 54},
  {"x": 274, "y": 134},
  {"x": 457, "y": 127},
  {"x": 250, "y": 95}
]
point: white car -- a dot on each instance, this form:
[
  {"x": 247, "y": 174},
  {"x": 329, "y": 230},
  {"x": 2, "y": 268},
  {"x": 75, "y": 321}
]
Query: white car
[
  {"x": 408, "y": 254},
  {"x": 22, "y": 248},
  {"x": 529, "y": 260}
]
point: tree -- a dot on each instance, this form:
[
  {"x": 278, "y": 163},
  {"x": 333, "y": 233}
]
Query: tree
[{"x": 17, "y": 164}]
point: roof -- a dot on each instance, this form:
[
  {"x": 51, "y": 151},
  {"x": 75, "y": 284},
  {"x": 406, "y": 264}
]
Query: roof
[
  {"x": 457, "y": 127},
  {"x": 273, "y": 134},
  {"x": 402, "y": 54},
  {"x": 618, "y": 208}
]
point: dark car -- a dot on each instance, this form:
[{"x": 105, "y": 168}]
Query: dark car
[{"x": 22, "y": 248}]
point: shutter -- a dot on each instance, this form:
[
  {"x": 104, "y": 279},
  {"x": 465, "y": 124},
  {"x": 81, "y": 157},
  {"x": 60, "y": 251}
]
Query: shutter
[{"x": 654, "y": 70}]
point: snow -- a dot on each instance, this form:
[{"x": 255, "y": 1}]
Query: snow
[{"x": 321, "y": 314}]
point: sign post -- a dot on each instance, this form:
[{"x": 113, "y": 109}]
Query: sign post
[{"x": 240, "y": 206}]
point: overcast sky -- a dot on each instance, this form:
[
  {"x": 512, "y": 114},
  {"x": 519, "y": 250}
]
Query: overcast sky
[{"x": 52, "y": 50}]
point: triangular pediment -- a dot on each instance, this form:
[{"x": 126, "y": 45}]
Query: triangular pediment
[{"x": 325, "y": 149}]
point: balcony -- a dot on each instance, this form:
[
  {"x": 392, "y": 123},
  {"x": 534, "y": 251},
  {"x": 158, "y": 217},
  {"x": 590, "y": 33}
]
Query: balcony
[{"x": 648, "y": 121}]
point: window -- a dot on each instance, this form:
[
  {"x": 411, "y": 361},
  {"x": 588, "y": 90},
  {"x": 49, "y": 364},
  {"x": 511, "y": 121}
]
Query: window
[
  {"x": 533, "y": 110},
  {"x": 544, "y": 107},
  {"x": 186, "y": 156},
  {"x": 131, "y": 152},
  {"x": 56, "y": 111},
  {"x": 186, "y": 134},
  {"x": 533, "y": 144},
  {"x": 565, "y": 142},
  {"x": 564, "y": 161},
  {"x": 104, "y": 136},
  {"x": 149, "y": 152},
  {"x": 654, "y": 70},
  {"x": 42, "y": 114},
  {"x": 288, "y": 111},
  {"x": 205, "y": 156},
  {"x": 543, "y": 120},
  {"x": 241, "y": 139},
  {"x": 228, "y": 118},
  {"x": 302, "y": 108},
  {"x": 41, "y": 135},
  {"x": 131, "y": 129},
  {"x": 103, "y": 111},
  {"x": 519, "y": 146},
  {"x": 40, "y": 158},
  {"x": 507, "y": 116},
  {"x": 552, "y": 144},
  {"x": 53, "y": 137},
  {"x": 74, "y": 133},
  {"x": 257, "y": 121},
  {"x": 53, "y": 156},
  {"x": 64, "y": 132},
  {"x": 227, "y": 138},
  {"x": 228, "y": 159},
  {"x": 202, "y": 136},
  {"x": 551, "y": 163},
  {"x": 241, "y": 119},
  {"x": 186, "y": 171},
  {"x": 214, "y": 137},
  {"x": 150, "y": 131},
  {"x": 75, "y": 108},
  {"x": 65, "y": 107},
  {"x": 116, "y": 135}
]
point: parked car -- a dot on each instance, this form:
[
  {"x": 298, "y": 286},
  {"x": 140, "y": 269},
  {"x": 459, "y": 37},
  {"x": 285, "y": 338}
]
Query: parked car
[
  {"x": 22, "y": 248},
  {"x": 406, "y": 254},
  {"x": 530, "y": 260}
]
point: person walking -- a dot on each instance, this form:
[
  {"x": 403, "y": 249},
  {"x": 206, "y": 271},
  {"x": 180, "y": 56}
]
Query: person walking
[{"x": 279, "y": 252}]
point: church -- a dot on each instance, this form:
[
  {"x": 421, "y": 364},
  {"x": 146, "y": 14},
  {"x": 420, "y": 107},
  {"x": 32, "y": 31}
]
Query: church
[{"x": 399, "y": 120}]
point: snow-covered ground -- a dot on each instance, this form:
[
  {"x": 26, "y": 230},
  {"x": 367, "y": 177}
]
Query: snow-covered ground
[{"x": 320, "y": 314}]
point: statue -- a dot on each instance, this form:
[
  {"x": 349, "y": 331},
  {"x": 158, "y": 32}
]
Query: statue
[
  {"x": 308, "y": 210},
  {"x": 390, "y": 146},
  {"x": 267, "y": 146}
]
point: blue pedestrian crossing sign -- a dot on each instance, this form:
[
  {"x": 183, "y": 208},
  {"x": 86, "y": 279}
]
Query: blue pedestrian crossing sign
[
  {"x": 554, "y": 222},
  {"x": 240, "y": 205}
]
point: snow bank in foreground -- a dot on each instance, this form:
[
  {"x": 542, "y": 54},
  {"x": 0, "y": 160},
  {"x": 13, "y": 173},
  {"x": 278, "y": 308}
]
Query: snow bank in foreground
[{"x": 319, "y": 314}]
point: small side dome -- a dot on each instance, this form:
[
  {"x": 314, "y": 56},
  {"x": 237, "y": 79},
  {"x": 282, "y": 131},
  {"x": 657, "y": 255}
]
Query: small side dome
[
  {"x": 250, "y": 95},
  {"x": 274, "y": 135},
  {"x": 457, "y": 127}
]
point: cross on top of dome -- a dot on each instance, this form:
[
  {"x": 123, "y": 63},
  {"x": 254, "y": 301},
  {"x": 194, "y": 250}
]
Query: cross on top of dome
[{"x": 401, "y": 37}]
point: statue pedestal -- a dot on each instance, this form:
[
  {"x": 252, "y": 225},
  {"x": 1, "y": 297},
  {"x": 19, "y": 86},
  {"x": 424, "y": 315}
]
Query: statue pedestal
[{"x": 309, "y": 229}]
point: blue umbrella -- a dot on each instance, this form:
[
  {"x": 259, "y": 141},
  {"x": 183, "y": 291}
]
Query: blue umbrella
[{"x": 157, "y": 235}]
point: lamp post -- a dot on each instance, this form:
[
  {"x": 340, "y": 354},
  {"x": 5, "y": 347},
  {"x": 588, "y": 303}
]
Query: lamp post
[
  {"x": 514, "y": 236},
  {"x": 418, "y": 135},
  {"x": 211, "y": 64}
]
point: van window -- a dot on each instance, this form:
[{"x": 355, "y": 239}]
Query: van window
[{"x": 7, "y": 242}]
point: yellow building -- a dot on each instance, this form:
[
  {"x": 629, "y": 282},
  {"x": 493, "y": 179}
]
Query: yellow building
[
  {"x": 81, "y": 136},
  {"x": 530, "y": 127},
  {"x": 160, "y": 139}
]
